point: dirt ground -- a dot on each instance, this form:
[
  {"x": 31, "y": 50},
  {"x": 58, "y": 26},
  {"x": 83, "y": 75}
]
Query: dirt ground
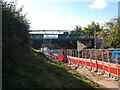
[{"x": 105, "y": 82}]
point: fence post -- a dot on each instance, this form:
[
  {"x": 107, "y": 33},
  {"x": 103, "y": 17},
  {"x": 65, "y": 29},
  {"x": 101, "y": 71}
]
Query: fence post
[
  {"x": 82, "y": 58},
  {"x": 90, "y": 60},
  {"x": 90, "y": 54},
  {"x": 73, "y": 52},
  {"x": 95, "y": 55},
  {"x": 102, "y": 55},
  {"x": 85, "y": 53},
  {"x": 70, "y": 52},
  {"x": 70, "y": 55},
  {"x": 108, "y": 63},
  {"x": 82, "y": 53},
  {"x": 67, "y": 52},
  {"x": 102, "y": 58},
  {"x": 96, "y": 60},
  {"x": 76, "y": 53},
  {"x": 108, "y": 56},
  {"x": 85, "y": 57}
]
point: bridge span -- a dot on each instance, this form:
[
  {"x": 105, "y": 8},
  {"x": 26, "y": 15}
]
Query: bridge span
[{"x": 59, "y": 39}]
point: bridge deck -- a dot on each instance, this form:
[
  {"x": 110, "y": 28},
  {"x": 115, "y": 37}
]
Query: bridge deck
[{"x": 69, "y": 39}]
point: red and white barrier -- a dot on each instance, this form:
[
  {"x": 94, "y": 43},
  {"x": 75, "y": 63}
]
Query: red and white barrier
[
  {"x": 108, "y": 69},
  {"x": 114, "y": 70},
  {"x": 100, "y": 66},
  {"x": 80, "y": 61},
  {"x": 94, "y": 65}
]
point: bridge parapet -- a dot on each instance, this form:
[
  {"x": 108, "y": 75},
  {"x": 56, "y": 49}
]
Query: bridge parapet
[{"x": 57, "y": 34}]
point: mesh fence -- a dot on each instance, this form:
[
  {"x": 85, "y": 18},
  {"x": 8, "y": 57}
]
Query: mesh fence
[{"x": 94, "y": 54}]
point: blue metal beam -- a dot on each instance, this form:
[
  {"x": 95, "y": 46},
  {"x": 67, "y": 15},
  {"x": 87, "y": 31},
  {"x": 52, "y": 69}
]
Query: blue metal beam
[
  {"x": 49, "y": 30},
  {"x": 84, "y": 39}
]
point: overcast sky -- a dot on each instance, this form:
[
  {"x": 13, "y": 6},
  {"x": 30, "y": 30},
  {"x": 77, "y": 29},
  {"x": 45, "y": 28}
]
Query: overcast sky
[{"x": 66, "y": 14}]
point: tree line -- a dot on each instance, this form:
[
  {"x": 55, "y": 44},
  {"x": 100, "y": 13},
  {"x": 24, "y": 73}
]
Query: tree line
[{"x": 109, "y": 32}]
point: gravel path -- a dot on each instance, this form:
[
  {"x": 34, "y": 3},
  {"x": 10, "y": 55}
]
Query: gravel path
[{"x": 104, "y": 82}]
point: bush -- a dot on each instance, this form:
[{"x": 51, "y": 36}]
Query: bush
[{"x": 16, "y": 42}]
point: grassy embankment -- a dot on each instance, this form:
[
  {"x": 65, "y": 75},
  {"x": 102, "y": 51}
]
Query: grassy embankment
[{"x": 43, "y": 72}]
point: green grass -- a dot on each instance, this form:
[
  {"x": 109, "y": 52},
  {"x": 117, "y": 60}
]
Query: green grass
[{"x": 43, "y": 72}]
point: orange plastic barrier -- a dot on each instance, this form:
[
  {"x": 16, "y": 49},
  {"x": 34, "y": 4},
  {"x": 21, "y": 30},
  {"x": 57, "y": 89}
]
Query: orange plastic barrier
[
  {"x": 83, "y": 61},
  {"x": 60, "y": 58},
  {"x": 106, "y": 67},
  {"x": 100, "y": 65},
  {"x": 115, "y": 69},
  {"x": 88, "y": 62},
  {"x": 118, "y": 70},
  {"x": 71, "y": 59},
  {"x": 76, "y": 60},
  {"x": 80, "y": 61},
  {"x": 68, "y": 57},
  {"x": 93, "y": 64}
]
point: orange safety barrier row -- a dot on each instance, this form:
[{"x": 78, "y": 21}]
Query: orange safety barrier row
[{"x": 100, "y": 65}]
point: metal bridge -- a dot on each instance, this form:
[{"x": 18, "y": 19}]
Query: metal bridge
[
  {"x": 57, "y": 35},
  {"x": 63, "y": 38}
]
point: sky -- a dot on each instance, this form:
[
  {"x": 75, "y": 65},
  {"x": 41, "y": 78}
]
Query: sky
[{"x": 66, "y": 14}]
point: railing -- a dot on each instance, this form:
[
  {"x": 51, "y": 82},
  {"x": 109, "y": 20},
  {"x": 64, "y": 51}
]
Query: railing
[
  {"x": 98, "y": 60},
  {"x": 93, "y": 54}
]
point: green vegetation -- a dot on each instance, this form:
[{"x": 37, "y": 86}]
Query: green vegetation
[
  {"x": 91, "y": 29},
  {"x": 42, "y": 72},
  {"x": 115, "y": 39},
  {"x": 87, "y": 31},
  {"x": 16, "y": 44},
  {"x": 77, "y": 30},
  {"x": 109, "y": 32}
]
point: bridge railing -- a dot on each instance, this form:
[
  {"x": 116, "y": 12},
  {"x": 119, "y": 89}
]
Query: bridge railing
[
  {"x": 58, "y": 36},
  {"x": 69, "y": 35}
]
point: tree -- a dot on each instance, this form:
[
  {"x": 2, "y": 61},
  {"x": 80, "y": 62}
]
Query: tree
[
  {"x": 15, "y": 34},
  {"x": 66, "y": 33},
  {"x": 89, "y": 30},
  {"x": 106, "y": 33},
  {"x": 115, "y": 35},
  {"x": 77, "y": 30}
]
